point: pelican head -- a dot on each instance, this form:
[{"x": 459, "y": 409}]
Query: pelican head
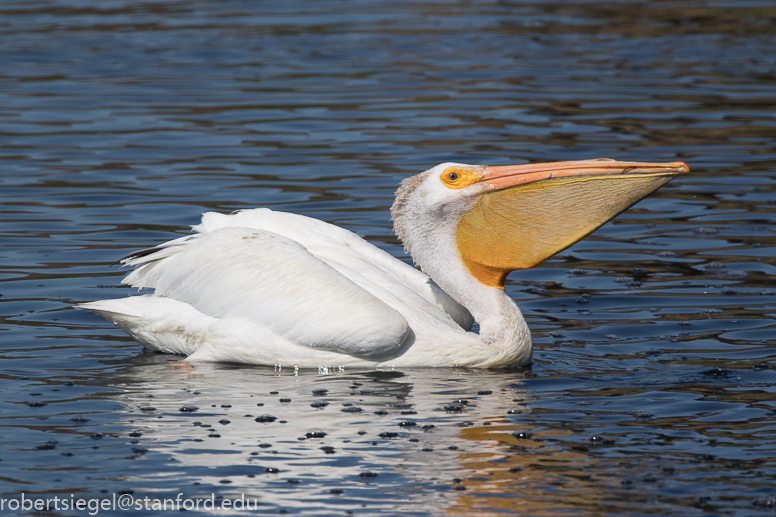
[{"x": 493, "y": 220}]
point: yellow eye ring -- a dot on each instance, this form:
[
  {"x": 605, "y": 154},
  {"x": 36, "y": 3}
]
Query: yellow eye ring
[{"x": 459, "y": 177}]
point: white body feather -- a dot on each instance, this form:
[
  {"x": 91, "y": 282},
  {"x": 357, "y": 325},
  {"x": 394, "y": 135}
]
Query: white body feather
[
  {"x": 274, "y": 288},
  {"x": 269, "y": 288}
]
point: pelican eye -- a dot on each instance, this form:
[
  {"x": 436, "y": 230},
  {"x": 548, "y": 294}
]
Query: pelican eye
[{"x": 460, "y": 177}]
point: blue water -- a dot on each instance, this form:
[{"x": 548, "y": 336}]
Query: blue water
[{"x": 652, "y": 390}]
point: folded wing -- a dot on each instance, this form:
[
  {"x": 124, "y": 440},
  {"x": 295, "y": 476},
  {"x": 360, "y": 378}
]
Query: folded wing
[
  {"x": 251, "y": 275},
  {"x": 362, "y": 262}
]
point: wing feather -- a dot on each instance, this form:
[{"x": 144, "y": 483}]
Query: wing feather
[
  {"x": 262, "y": 277},
  {"x": 341, "y": 249}
]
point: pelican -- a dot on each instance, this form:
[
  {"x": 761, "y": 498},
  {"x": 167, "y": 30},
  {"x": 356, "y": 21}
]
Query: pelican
[{"x": 273, "y": 288}]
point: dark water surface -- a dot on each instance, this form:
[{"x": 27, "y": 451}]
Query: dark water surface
[{"x": 652, "y": 390}]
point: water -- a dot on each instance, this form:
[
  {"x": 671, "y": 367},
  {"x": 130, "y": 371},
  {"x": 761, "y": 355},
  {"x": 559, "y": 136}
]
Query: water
[{"x": 652, "y": 390}]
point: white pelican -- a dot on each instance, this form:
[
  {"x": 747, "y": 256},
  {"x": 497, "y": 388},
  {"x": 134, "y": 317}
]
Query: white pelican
[{"x": 274, "y": 288}]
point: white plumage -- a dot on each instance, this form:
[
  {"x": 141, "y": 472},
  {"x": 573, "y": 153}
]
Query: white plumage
[
  {"x": 305, "y": 293},
  {"x": 274, "y": 288}
]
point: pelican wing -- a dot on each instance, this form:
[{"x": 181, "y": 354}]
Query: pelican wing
[
  {"x": 251, "y": 275},
  {"x": 365, "y": 264}
]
